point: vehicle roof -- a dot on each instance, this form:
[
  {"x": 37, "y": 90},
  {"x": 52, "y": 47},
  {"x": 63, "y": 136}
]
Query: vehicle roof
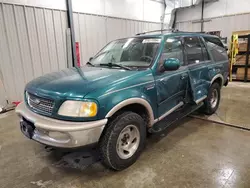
[{"x": 176, "y": 33}]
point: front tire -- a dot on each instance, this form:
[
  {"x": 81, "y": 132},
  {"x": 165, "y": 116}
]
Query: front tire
[
  {"x": 123, "y": 141},
  {"x": 211, "y": 103}
]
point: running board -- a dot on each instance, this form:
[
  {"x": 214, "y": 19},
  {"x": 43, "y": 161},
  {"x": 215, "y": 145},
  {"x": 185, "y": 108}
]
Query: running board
[
  {"x": 201, "y": 99},
  {"x": 174, "y": 117}
]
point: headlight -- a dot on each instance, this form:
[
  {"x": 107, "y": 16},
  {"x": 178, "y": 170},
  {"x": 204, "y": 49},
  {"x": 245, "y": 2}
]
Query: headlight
[{"x": 78, "y": 109}]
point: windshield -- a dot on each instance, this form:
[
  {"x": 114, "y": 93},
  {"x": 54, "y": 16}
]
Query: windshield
[{"x": 129, "y": 52}]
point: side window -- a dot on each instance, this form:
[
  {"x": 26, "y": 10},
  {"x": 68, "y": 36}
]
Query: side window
[
  {"x": 216, "y": 48},
  {"x": 193, "y": 50},
  {"x": 172, "y": 49},
  {"x": 204, "y": 51}
]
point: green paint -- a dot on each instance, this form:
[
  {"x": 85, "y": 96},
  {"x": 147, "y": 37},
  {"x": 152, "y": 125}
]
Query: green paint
[{"x": 108, "y": 86}]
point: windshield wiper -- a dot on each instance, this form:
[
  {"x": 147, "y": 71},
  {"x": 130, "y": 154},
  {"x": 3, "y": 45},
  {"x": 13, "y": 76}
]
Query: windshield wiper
[
  {"x": 88, "y": 63},
  {"x": 115, "y": 65}
]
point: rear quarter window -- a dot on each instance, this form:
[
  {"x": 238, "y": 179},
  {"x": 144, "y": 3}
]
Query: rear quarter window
[{"x": 216, "y": 48}]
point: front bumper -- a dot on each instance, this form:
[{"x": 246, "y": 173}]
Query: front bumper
[{"x": 58, "y": 133}]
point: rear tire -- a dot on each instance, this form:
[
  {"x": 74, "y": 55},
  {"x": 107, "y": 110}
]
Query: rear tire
[
  {"x": 123, "y": 141},
  {"x": 211, "y": 103}
]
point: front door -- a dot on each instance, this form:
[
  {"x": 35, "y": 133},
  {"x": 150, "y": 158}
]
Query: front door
[
  {"x": 198, "y": 60},
  {"x": 171, "y": 85}
]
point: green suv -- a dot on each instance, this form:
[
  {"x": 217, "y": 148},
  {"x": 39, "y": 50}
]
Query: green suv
[{"x": 123, "y": 92}]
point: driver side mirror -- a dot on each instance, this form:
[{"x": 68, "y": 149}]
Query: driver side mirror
[
  {"x": 90, "y": 59},
  {"x": 171, "y": 64}
]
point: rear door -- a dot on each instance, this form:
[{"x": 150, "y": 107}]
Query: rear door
[{"x": 197, "y": 58}]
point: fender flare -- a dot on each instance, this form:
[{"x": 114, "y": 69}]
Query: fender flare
[
  {"x": 217, "y": 76},
  {"x": 129, "y": 101}
]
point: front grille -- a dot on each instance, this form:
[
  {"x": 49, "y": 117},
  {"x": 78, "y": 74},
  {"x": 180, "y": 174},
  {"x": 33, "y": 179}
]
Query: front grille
[{"x": 40, "y": 104}]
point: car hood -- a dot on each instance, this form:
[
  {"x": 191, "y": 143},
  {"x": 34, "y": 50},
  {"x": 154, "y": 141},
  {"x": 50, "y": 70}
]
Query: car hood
[{"x": 77, "y": 82}]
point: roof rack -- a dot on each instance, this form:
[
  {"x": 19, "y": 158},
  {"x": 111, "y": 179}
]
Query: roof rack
[
  {"x": 161, "y": 30},
  {"x": 169, "y": 30}
]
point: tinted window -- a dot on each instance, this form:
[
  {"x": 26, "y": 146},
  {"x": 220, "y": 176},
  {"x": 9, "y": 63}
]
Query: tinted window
[
  {"x": 216, "y": 48},
  {"x": 204, "y": 51},
  {"x": 172, "y": 49},
  {"x": 193, "y": 50}
]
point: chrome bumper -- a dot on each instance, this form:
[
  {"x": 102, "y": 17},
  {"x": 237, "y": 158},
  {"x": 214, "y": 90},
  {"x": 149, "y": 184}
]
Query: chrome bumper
[{"x": 60, "y": 133}]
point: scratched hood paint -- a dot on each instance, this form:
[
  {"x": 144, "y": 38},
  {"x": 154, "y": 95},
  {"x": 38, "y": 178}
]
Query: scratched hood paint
[{"x": 77, "y": 82}]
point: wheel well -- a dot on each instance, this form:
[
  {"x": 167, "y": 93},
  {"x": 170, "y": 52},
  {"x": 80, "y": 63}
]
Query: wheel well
[
  {"x": 136, "y": 108},
  {"x": 218, "y": 80}
]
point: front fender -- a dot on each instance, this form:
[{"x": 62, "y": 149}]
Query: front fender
[
  {"x": 129, "y": 101},
  {"x": 139, "y": 94},
  {"x": 110, "y": 104},
  {"x": 136, "y": 89}
]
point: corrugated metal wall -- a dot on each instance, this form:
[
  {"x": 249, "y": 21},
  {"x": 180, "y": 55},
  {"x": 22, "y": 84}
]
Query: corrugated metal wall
[
  {"x": 188, "y": 26},
  {"x": 93, "y": 31},
  {"x": 226, "y": 24},
  {"x": 33, "y": 42},
  {"x": 229, "y": 24}
]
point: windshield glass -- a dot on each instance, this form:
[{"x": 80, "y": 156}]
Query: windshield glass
[{"x": 129, "y": 52}]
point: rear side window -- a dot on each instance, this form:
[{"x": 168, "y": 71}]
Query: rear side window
[
  {"x": 216, "y": 48},
  {"x": 193, "y": 50}
]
